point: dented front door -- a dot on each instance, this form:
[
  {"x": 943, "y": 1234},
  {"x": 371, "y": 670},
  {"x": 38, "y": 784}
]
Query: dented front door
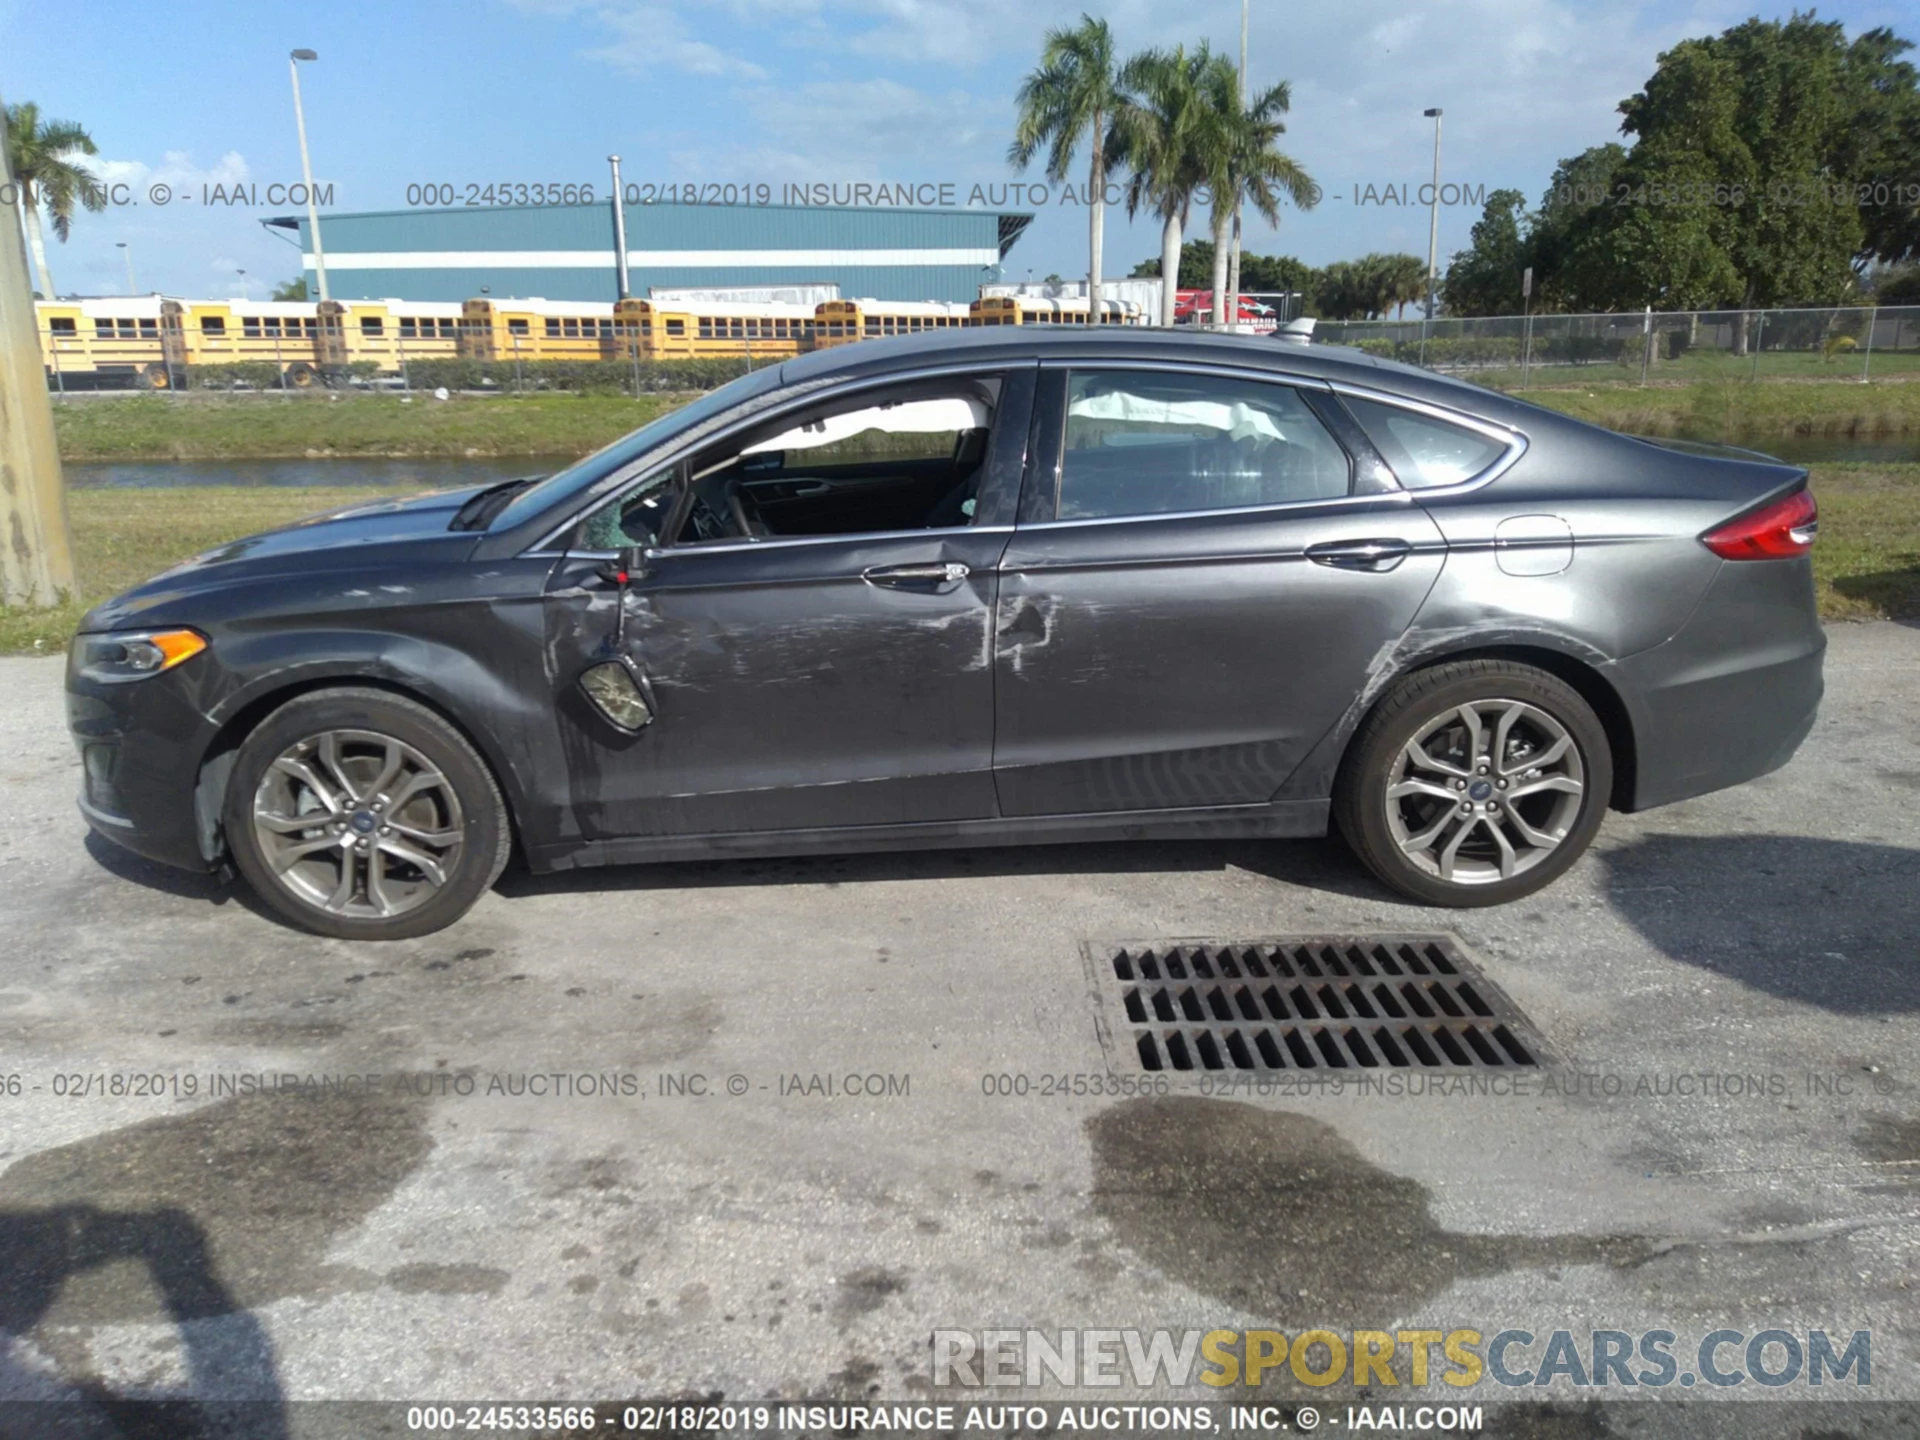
[{"x": 795, "y": 684}]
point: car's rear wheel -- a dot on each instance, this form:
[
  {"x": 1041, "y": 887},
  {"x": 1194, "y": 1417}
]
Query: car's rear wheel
[
  {"x": 364, "y": 815},
  {"x": 1475, "y": 783}
]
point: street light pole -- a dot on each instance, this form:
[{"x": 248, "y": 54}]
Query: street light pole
[
  {"x": 1433, "y": 217},
  {"x": 619, "y": 231},
  {"x": 127, "y": 251},
  {"x": 1232, "y": 313},
  {"x": 294, "y": 58},
  {"x": 1433, "y": 235}
]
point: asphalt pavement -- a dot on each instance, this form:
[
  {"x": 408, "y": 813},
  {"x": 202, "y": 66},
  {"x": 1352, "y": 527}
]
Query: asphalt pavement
[{"x": 761, "y": 1128}]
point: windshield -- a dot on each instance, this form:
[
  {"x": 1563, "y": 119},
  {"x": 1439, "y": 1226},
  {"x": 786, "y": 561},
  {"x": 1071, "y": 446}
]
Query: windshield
[{"x": 578, "y": 477}]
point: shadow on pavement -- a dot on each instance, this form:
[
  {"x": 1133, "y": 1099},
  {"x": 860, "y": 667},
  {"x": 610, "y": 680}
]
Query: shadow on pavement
[
  {"x": 216, "y": 890},
  {"x": 138, "y": 870},
  {"x": 1313, "y": 864},
  {"x": 194, "y": 1221},
  {"x": 223, "y": 1346},
  {"x": 1829, "y": 923}
]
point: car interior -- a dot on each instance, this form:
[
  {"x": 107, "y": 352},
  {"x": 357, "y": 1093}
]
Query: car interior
[
  {"x": 905, "y": 461},
  {"x": 1144, "y": 445}
]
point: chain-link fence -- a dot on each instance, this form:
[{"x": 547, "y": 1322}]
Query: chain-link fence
[
  {"x": 1516, "y": 351},
  {"x": 140, "y": 351}
]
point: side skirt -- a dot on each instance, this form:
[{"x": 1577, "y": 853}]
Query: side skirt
[{"x": 1290, "y": 820}]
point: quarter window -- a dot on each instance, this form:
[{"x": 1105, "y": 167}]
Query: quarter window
[
  {"x": 1422, "y": 451},
  {"x": 1151, "y": 443}
]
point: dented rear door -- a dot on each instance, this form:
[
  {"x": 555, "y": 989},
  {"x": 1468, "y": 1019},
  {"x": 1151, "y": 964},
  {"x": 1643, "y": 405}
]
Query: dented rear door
[{"x": 1189, "y": 660}]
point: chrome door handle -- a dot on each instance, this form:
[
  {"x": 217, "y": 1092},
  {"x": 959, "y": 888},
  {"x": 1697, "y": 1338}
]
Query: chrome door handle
[
  {"x": 946, "y": 574},
  {"x": 1374, "y": 555}
]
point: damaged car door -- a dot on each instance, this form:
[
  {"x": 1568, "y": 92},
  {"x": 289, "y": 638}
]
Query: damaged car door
[
  {"x": 810, "y": 646},
  {"x": 1202, "y": 574}
]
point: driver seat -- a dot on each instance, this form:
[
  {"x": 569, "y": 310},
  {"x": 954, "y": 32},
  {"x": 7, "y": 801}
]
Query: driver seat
[{"x": 969, "y": 456}]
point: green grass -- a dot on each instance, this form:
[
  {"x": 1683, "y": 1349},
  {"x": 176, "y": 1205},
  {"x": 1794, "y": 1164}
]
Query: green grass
[
  {"x": 196, "y": 426},
  {"x": 1715, "y": 366},
  {"x": 1867, "y": 561},
  {"x": 120, "y": 537},
  {"x": 1867, "y": 564},
  {"x": 1740, "y": 412}
]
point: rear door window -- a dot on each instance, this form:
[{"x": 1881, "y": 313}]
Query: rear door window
[
  {"x": 1156, "y": 443},
  {"x": 1422, "y": 451}
]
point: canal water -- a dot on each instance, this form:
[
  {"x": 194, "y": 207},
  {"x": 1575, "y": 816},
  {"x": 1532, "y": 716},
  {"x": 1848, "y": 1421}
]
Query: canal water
[{"x": 441, "y": 472}]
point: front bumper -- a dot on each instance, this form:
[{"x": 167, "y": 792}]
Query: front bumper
[
  {"x": 141, "y": 744},
  {"x": 1734, "y": 692}
]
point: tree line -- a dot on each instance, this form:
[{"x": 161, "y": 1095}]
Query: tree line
[
  {"x": 1372, "y": 287},
  {"x": 1775, "y": 164}
]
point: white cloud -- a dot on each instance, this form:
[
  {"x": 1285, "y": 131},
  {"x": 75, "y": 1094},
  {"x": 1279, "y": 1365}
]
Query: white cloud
[
  {"x": 866, "y": 129},
  {"x": 650, "y": 36},
  {"x": 176, "y": 169},
  {"x": 922, "y": 89}
]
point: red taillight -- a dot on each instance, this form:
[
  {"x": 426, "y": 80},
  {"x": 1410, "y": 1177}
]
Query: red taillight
[{"x": 1779, "y": 531}]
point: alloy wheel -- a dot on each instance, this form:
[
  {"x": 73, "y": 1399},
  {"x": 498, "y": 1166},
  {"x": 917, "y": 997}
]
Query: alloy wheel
[
  {"x": 1485, "y": 791},
  {"x": 358, "y": 824}
]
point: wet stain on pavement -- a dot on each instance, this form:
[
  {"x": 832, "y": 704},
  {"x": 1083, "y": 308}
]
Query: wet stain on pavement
[
  {"x": 865, "y": 1290},
  {"x": 1892, "y": 1141},
  {"x": 269, "y": 1031},
  {"x": 228, "y": 1207},
  {"x": 1278, "y": 1215},
  {"x": 422, "y": 1279}
]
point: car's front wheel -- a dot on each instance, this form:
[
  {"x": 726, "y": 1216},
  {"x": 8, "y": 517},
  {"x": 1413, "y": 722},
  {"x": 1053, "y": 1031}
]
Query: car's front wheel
[
  {"x": 361, "y": 814},
  {"x": 1475, "y": 783}
]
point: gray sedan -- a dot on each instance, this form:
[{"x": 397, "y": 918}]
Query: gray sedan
[{"x": 1007, "y": 586}]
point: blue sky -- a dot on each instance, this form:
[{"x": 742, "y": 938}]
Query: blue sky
[{"x": 196, "y": 92}]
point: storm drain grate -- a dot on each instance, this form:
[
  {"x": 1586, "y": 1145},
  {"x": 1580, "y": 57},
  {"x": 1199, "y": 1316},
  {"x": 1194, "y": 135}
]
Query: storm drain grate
[{"x": 1318, "y": 1003}]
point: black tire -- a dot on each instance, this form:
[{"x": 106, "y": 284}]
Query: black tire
[
  {"x": 1427, "y": 698},
  {"x": 474, "y": 856}
]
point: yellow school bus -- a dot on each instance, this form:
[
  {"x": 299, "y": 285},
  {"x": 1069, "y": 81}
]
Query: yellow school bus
[
  {"x": 151, "y": 341},
  {"x": 671, "y": 329},
  {"x": 306, "y": 341},
  {"x": 110, "y": 341},
  {"x": 388, "y": 333},
  {"x": 1032, "y": 310},
  {"x": 840, "y": 322},
  {"x": 536, "y": 329}
]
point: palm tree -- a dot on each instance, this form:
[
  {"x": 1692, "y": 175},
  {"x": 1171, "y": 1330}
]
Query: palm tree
[
  {"x": 1402, "y": 279},
  {"x": 39, "y": 154},
  {"x": 1247, "y": 164},
  {"x": 1072, "y": 94},
  {"x": 1170, "y": 136}
]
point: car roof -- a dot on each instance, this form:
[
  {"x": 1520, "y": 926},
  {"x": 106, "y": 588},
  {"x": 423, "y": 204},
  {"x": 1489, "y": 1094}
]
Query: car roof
[{"x": 999, "y": 343}]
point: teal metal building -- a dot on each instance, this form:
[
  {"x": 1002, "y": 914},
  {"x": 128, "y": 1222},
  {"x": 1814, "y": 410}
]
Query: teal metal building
[{"x": 566, "y": 252}]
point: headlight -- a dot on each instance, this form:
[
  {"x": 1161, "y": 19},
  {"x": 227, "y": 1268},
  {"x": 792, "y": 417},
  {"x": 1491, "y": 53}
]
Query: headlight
[{"x": 134, "y": 654}]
